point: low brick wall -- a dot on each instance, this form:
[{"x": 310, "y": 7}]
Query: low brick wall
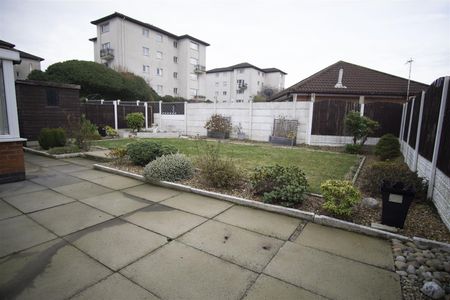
[{"x": 12, "y": 165}]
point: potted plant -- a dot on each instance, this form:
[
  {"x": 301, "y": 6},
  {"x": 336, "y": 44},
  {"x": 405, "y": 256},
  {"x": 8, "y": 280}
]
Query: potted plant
[{"x": 218, "y": 127}]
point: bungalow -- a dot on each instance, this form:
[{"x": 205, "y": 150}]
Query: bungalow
[{"x": 344, "y": 87}]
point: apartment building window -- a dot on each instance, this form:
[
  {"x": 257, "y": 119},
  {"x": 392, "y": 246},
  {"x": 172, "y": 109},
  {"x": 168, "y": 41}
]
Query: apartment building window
[
  {"x": 193, "y": 76},
  {"x": 193, "y": 92},
  {"x": 106, "y": 45},
  {"x": 159, "y": 72},
  {"x": 193, "y": 61},
  {"x": 225, "y": 83},
  {"x": 159, "y": 88},
  {"x": 175, "y": 59},
  {"x": 259, "y": 73},
  {"x": 159, "y": 55},
  {"x": 145, "y": 32},
  {"x": 194, "y": 46},
  {"x": 217, "y": 83},
  {"x": 104, "y": 27},
  {"x": 224, "y": 93},
  {"x": 175, "y": 44},
  {"x": 239, "y": 91},
  {"x": 175, "y": 75},
  {"x": 159, "y": 37},
  {"x": 146, "y": 68},
  {"x": 258, "y": 82},
  {"x": 241, "y": 71},
  {"x": 175, "y": 91},
  {"x": 145, "y": 51}
]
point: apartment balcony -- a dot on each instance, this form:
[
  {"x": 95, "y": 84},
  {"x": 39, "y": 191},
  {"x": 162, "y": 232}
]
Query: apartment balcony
[
  {"x": 199, "y": 69},
  {"x": 199, "y": 97},
  {"x": 107, "y": 54},
  {"x": 242, "y": 87}
]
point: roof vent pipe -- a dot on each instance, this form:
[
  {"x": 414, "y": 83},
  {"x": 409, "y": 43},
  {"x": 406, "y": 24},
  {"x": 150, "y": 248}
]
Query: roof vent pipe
[{"x": 339, "y": 82}]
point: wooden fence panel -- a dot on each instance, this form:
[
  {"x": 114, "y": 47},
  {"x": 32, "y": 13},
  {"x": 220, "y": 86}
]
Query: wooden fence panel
[
  {"x": 99, "y": 114},
  {"x": 408, "y": 116},
  {"x": 124, "y": 110},
  {"x": 387, "y": 114},
  {"x": 415, "y": 121},
  {"x": 443, "y": 161},
  {"x": 329, "y": 115}
]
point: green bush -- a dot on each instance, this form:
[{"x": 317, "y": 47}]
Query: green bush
[
  {"x": 353, "y": 148},
  {"x": 280, "y": 184},
  {"x": 394, "y": 171},
  {"x": 359, "y": 127},
  {"x": 52, "y": 137},
  {"x": 110, "y": 131},
  {"x": 64, "y": 150},
  {"x": 118, "y": 154},
  {"x": 340, "y": 197},
  {"x": 171, "y": 167},
  {"x": 388, "y": 147},
  {"x": 167, "y": 150},
  {"x": 84, "y": 132},
  {"x": 135, "y": 121},
  {"x": 218, "y": 123},
  {"x": 142, "y": 152},
  {"x": 217, "y": 171}
]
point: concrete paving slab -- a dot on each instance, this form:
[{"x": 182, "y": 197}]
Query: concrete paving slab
[
  {"x": 268, "y": 288},
  {"x": 54, "y": 270},
  {"x": 164, "y": 220},
  {"x": 151, "y": 192},
  {"x": 48, "y": 162},
  {"x": 89, "y": 174},
  {"x": 69, "y": 168},
  {"x": 116, "y": 243},
  {"x": 7, "y": 211},
  {"x": 34, "y": 201},
  {"x": 69, "y": 218},
  {"x": 55, "y": 180},
  {"x": 115, "y": 286},
  {"x": 332, "y": 276},
  {"x": 82, "y": 190},
  {"x": 196, "y": 204},
  {"x": 245, "y": 248},
  {"x": 181, "y": 272},
  {"x": 21, "y": 232},
  {"x": 20, "y": 187},
  {"x": 117, "y": 203},
  {"x": 116, "y": 182},
  {"x": 263, "y": 222},
  {"x": 80, "y": 161},
  {"x": 352, "y": 245}
]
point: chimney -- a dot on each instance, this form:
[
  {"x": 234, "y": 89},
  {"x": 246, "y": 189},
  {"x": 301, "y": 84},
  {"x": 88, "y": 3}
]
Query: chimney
[{"x": 339, "y": 82}]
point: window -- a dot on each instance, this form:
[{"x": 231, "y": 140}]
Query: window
[
  {"x": 194, "y": 46},
  {"x": 52, "y": 97},
  {"x": 241, "y": 71},
  {"x": 159, "y": 37},
  {"x": 175, "y": 44},
  {"x": 145, "y": 32},
  {"x": 225, "y": 83},
  {"x": 159, "y": 88},
  {"x": 217, "y": 83},
  {"x": 4, "y": 126},
  {"x": 146, "y": 68},
  {"x": 258, "y": 82},
  {"x": 106, "y": 45},
  {"x": 175, "y": 59},
  {"x": 193, "y": 92},
  {"x": 193, "y": 61},
  {"x": 224, "y": 93},
  {"x": 193, "y": 76},
  {"x": 175, "y": 75},
  {"x": 159, "y": 55},
  {"x": 239, "y": 100},
  {"x": 159, "y": 72},
  {"x": 239, "y": 91},
  {"x": 145, "y": 51},
  {"x": 104, "y": 27},
  {"x": 175, "y": 91},
  {"x": 259, "y": 73}
]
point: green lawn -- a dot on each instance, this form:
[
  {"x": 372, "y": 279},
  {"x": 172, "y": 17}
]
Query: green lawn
[{"x": 318, "y": 165}]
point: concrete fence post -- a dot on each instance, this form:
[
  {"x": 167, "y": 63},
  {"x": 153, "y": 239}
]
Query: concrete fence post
[
  {"x": 116, "y": 123},
  {"x": 250, "y": 119},
  {"x": 437, "y": 140},
  {"x": 160, "y": 114},
  {"x": 409, "y": 130},
  {"x": 310, "y": 119},
  {"x": 185, "y": 117},
  {"x": 361, "y": 106},
  {"x": 419, "y": 127},
  {"x": 146, "y": 114},
  {"x": 294, "y": 105}
]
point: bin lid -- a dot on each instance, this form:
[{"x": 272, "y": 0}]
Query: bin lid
[{"x": 398, "y": 187}]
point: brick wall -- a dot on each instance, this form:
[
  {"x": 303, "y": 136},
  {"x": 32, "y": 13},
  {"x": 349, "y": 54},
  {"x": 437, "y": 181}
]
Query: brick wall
[{"x": 12, "y": 166}]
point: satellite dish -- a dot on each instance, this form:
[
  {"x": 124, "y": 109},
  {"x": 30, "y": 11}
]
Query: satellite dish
[{"x": 268, "y": 92}]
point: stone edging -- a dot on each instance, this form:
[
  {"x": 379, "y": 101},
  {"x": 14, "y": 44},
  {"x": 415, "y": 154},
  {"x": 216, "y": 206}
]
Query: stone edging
[
  {"x": 308, "y": 216},
  {"x": 57, "y": 156}
]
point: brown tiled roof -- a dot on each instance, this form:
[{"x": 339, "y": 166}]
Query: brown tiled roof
[{"x": 358, "y": 80}]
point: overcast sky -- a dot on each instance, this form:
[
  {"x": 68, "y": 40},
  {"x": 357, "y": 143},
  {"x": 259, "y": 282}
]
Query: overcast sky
[{"x": 298, "y": 37}]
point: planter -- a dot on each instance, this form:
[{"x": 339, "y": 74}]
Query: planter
[
  {"x": 218, "y": 135},
  {"x": 282, "y": 141}
]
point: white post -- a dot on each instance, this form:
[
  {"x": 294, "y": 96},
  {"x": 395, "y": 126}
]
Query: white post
[
  {"x": 160, "y": 115},
  {"x": 310, "y": 120},
  {"x": 250, "y": 120},
  {"x": 137, "y": 102},
  {"x": 215, "y": 106},
  {"x": 101, "y": 101},
  {"x": 361, "y": 106},
  {"x": 185, "y": 117},
  {"x": 437, "y": 139},
  {"x": 146, "y": 114},
  {"x": 116, "y": 124},
  {"x": 294, "y": 104},
  {"x": 402, "y": 125},
  {"x": 409, "y": 130},
  {"x": 419, "y": 126}
]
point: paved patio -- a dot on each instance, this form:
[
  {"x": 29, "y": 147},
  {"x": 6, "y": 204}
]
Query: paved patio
[{"x": 69, "y": 231}]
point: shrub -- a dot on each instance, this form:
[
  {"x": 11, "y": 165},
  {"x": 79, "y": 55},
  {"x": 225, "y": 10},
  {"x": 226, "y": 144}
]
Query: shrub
[
  {"x": 353, "y": 148},
  {"x": 218, "y": 123},
  {"x": 143, "y": 152},
  {"x": 118, "y": 154},
  {"x": 167, "y": 150},
  {"x": 340, "y": 197},
  {"x": 52, "y": 137},
  {"x": 135, "y": 121},
  {"x": 394, "y": 171},
  {"x": 84, "y": 132},
  {"x": 110, "y": 131},
  {"x": 388, "y": 147},
  {"x": 64, "y": 150},
  {"x": 171, "y": 167},
  {"x": 280, "y": 184},
  {"x": 359, "y": 127},
  {"x": 217, "y": 171}
]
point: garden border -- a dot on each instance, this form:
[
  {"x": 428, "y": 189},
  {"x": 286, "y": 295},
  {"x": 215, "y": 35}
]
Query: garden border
[
  {"x": 57, "y": 156},
  {"x": 308, "y": 216}
]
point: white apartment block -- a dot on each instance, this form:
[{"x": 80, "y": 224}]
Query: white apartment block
[
  {"x": 28, "y": 62},
  {"x": 171, "y": 64},
  {"x": 241, "y": 82}
]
